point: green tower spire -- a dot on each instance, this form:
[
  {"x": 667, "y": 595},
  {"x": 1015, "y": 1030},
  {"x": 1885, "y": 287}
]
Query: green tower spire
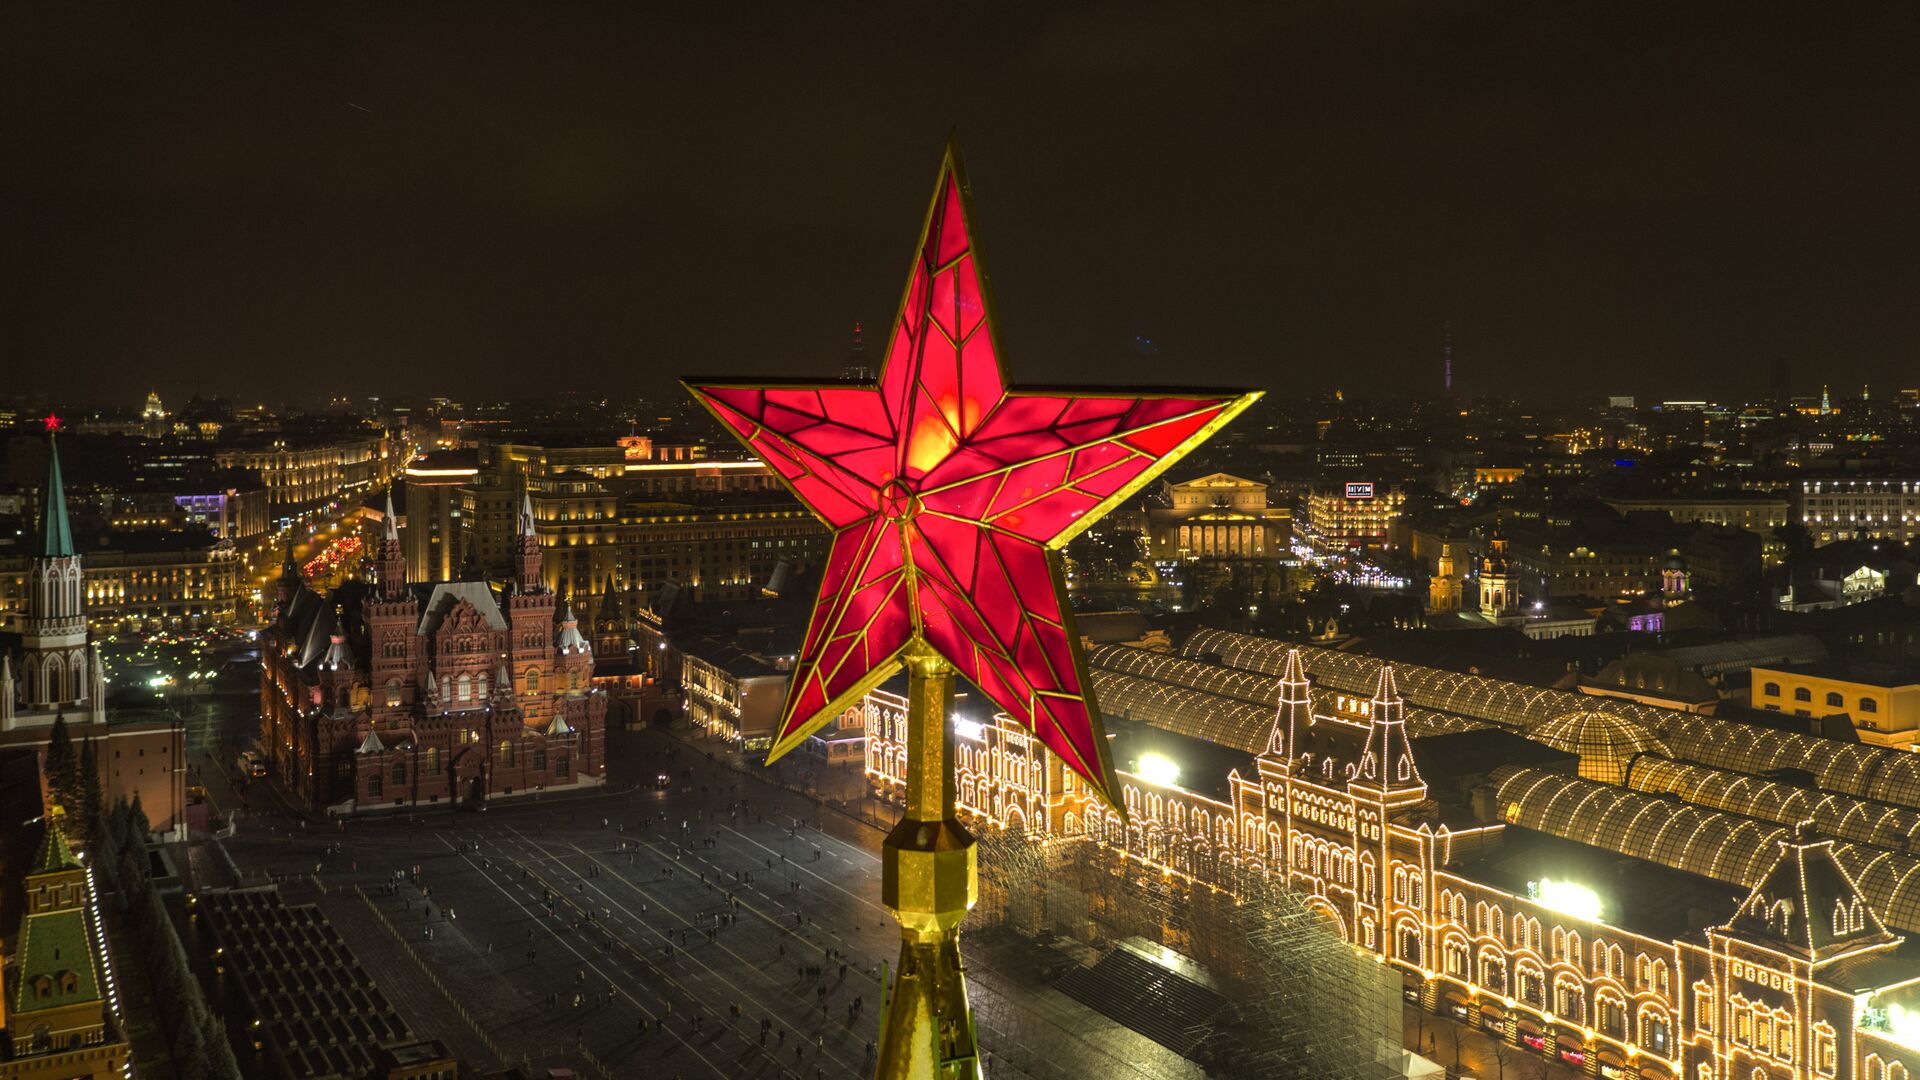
[{"x": 56, "y": 536}]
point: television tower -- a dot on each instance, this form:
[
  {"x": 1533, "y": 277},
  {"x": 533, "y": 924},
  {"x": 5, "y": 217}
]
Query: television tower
[
  {"x": 856, "y": 369},
  {"x": 1446, "y": 359}
]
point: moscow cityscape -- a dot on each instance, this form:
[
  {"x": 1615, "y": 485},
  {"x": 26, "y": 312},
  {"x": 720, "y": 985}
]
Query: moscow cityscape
[{"x": 1408, "y": 568}]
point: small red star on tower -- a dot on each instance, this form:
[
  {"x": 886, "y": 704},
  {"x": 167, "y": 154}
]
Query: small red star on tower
[{"x": 53, "y": 422}]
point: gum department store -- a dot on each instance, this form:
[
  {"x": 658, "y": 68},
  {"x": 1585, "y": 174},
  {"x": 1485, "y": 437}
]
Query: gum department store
[{"x": 1637, "y": 891}]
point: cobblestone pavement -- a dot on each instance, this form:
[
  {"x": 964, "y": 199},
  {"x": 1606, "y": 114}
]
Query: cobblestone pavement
[{"x": 623, "y": 929}]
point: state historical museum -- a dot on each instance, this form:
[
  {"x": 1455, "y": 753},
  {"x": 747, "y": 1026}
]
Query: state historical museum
[{"x": 390, "y": 694}]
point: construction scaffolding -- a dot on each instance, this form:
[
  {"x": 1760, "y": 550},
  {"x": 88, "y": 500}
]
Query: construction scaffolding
[{"x": 1299, "y": 1002}]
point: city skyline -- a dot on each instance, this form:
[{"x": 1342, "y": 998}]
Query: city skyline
[
  {"x": 1367, "y": 544},
  {"x": 1298, "y": 201}
]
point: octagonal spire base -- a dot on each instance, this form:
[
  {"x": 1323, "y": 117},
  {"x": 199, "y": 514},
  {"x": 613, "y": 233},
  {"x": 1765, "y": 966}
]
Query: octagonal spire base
[{"x": 929, "y": 880}]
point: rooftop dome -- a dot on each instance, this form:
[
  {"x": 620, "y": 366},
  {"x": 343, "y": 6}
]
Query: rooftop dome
[{"x": 1605, "y": 743}]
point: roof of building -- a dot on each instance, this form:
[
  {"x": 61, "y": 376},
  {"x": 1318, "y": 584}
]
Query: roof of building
[
  {"x": 52, "y": 944},
  {"x": 1725, "y": 656},
  {"x": 1636, "y": 894},
  {"x": 1864, "y": 672},
  {"x": 1604, "y": 743},
  {"x": 1701, "y": 840},
  {"x": 1103, "y": 627},
  {"x": 54, "y": 855},
  {"x": 1204, "y": 766},
  {"x": 1655, "y": 675},
  {"x": 1478, "y": 752},
  {"x": 1780, "y": 799},
  {"x": 447, "y": 595},
  {"x": 1874, "y": 772},
  {"x": 1808, "y": 902}
]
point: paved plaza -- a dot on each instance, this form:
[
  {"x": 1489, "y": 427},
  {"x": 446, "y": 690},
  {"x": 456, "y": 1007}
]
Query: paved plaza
[{"x": 721, "y": 927}]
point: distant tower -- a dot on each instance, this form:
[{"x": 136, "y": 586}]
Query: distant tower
[
  {"x": 1497, "y": 598},
  {"x": 1826, "y": 400},
  {"x": 1445, "y": 587},
  {"x": 1782, "y": 382},
  {"x": 1674, "y": 578},
  {"x": 1446, "y": 360},
  {"x": 391, "y": 562},
  {"x": 153, "y": 418},
  {"x": 59, "y": 672},
  {"x": 526, "y": 549},
  {"x": 856, "y": 368}
]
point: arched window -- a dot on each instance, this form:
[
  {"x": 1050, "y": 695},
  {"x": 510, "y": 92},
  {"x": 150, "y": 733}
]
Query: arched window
[
  {"x": 1613, "y": 1015},
  {"x": 1531, "y": 984},
  {"x": 533, "y": 680},
  {"x": 1654, "y": 1031},
  {"x": 480, "y": 686},
  {"x": 506, "y": 752},
  {"x": 559, "y": 766},
  {"x": 1801, "y": 693},
  {"x": 463, "y": 689},
  {"x": 1492, "y": 975},
  {"x": 1773, "y": 689},
  {"x": 1407, "y": 941},
  {"x": 433, "y": 760},
  {"x": 399, "y": 773},
  {"x": 1867, "y": 704},
  {"x": 1569, "y": 1000},
  {"x": 1703, "y": 1010},
  {"x": 393, "y": 693},
  {"x": 1835, "y": 700}
]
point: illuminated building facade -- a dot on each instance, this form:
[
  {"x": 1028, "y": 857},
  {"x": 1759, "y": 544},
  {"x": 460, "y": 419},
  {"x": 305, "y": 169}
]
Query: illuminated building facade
[
  {"x": 1882, "y": 700},
  {"x": 731, "y": 693},
  {"x": 436, "y": 537},
  {"x": 1499, "y": 592},
  {"x": 404, "y": 693},
  {"x": 1342, "y": 517},
  {"x": 1219, "y": 517},
  {"x": 147, "y": 581},
  {"x": 1445, "y": 587},
  {"x": 1790, "y": 973},
  {"x": 1834, "y": 510},
  {"x": 306, "y": 476},
  {"x": 720, "y": 528},
  {"x": 1759, "y": 513}
]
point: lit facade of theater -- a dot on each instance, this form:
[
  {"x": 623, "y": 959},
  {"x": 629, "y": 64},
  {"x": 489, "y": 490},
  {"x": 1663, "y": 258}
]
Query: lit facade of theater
[{"x": 1801, "y": 982}]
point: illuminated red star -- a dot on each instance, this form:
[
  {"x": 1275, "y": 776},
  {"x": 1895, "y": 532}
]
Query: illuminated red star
[
  {"x": 949, "y": 494},
  {"x": 53, "y": 422}
]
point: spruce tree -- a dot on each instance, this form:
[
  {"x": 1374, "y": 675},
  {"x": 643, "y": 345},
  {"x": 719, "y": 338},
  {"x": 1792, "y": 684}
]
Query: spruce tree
[
  {"x": 219, "y": 1048},
  {"x": 87, "y": 793},
  {"x": 60, "y": 763},
  {"x": 137, "y": 824}
]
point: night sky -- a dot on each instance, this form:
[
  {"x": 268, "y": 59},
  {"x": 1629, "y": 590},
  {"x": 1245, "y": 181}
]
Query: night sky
[{"x": 269, "y": 202}]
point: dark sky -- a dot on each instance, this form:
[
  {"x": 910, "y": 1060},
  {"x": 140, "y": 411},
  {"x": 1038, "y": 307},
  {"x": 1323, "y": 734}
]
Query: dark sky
[{"x": 268, "y": 200}]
